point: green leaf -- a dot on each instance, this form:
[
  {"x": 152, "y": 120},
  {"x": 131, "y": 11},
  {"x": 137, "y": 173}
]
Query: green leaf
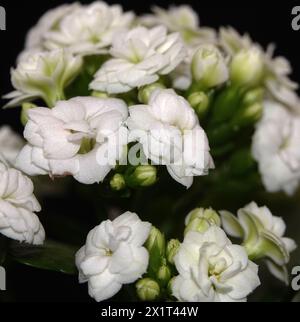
[{"x": 53, "y": 256}]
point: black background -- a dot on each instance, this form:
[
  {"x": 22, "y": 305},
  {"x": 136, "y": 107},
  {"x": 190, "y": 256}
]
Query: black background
[{"x": 265, "y": 21}]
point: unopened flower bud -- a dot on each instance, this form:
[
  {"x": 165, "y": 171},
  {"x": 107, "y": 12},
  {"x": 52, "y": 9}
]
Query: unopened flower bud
[
  {"x": 172, "y": 249},
  {"x": 100, "y": 94},
  {"x": 117, "y": 183},
  {"x": 156, "y": 242},
  {"x": 142, "y": 176},
  {"x": 164, "y": 275},
  {"x": 247, "y": 67},
  {"x": 146, "y": 91},
  {"x": 201, "y": 219},
  {"x": 209, "y": 68},
  {"x": 253, "y": 96},
  {"x": 147, "y": 289},
  {"x": 200, "y": 102},
  {"x": 249, "y": 115}
]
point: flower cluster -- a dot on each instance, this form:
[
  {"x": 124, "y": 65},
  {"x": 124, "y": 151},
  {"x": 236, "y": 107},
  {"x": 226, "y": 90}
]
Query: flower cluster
[{"x": 129, "y": 102}]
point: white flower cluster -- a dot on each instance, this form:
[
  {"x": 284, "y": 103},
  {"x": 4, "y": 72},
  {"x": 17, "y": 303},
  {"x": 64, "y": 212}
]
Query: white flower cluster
[
  {"x": 114, "y": 255},
  {"x": 18, "y": 206}
]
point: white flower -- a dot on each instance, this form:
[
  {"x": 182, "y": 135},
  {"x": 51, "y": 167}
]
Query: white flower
[
  {"x": 211, "y": 269},
  {"x": 89, "y": 29},
  {"x": 43, "y": 75},
  {"x": 169, "y": 131},
  {"x": 263, "y": 236},
  {"x": 232, "y": 42},
  {"x": 17, "y": 206},
  {"x": 209, "y": 67},
  {"x": 272, "y": 224},
  {"x": 140, "y": 56},
  {"x": 49, "y": 21},
  {"x": 114, "y": 255},
  {"x": 73, "y": 138},
  {"x": 181, "y": 19},
  {"x": 10, "y": 144},
  {"x": 276, "y": 148}
]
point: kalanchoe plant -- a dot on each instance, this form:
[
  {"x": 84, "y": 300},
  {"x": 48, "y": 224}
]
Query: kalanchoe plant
[{"x": 150, "y": 118}]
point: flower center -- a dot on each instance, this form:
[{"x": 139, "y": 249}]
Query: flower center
[{"x": 87, "y": 145}]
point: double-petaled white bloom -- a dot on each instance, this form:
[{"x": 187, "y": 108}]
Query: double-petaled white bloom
[
  {"x": 43, "y": 75},
  {"x": 139, "y": 57},
  {"x": 181, "y": 19},
  {"x": 73, "y": 138},
  {"x": 89, "y": 30},
  {"x": 49, "y": 21},
  {"x": 263, "y": 236},
  {"x": 209, "y": 67},
  {"x": 212, "y": 269},
  {"x": 170, "y": 134},
  {"x": 114, "y": 255},
  {"x": 17, "y": 206},
  {"x": 10, "y": 144},
  {"x": 276, "y": 148}
]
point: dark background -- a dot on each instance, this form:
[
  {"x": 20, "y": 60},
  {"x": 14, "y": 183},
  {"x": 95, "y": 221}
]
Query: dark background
[{"x": 265, "y": 21}]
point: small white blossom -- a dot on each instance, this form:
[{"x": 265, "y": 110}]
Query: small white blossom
[
  {"x": 43, "y": 75},
  {"x": 49, "y": 21},
  {"x": 71, "y": 139},
  {"x": 170, "y": 134},
  {"x": 114, "y": 255},
  {"x": 263, "y": 236},
  {"x": 276, "y": 148},
  {"x": 139, "y": 57},
  {"x": 212, "y": 269},
  {"x": 89, "y": 30},
  {"x": 17, "y": 208},
  {"x": 10, "y": 144},
  {"x": 182, "y": 19}
]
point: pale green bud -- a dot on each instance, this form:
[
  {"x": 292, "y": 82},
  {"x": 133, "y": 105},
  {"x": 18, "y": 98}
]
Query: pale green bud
[
  {"x": 209, "y": 68},
  {"x": 201, "y": 219},
  {"x": 172, "y": 249},
  {"x": 200, "y": 103},
  {"x": 156, "y": 242},
  {"x": 247, "y": 67},
  {"x": 117, "y": 183},
  {"x": 164, "y": 275},
  {"x": 142, "y": 176},
  {"x": 253, "y": 96},
  {"x": 99, "y": 94},
  {"x": 25, "y": 108},
  {"x": 146, "y": 91},
  {"x": 249, "y": 115},
  {"x": 147, "y": 289}
]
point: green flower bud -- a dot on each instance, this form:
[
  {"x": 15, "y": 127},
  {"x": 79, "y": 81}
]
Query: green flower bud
[
  {"x": 209, "y": 68},
  {"x": 99, "y": 94},
  {"x": 147, "y": 289},
  {"x": 249, "y": 115},
  {"x": 156, "y": 242},
  {"x": 146, "y": 91},
  {"x": 164, "y": 275},
  {"x": 201, "y": 219},
  {"x": 172, "y": 249},
  {"x": 142, "y": 176},
  {"x": 247, "y": 67},
  {"x": 200, "y": 102},
  {"x": 25, "y": 108},
  {"x": 253, "y": 96},
  {"x": 117, "y": 183}
]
